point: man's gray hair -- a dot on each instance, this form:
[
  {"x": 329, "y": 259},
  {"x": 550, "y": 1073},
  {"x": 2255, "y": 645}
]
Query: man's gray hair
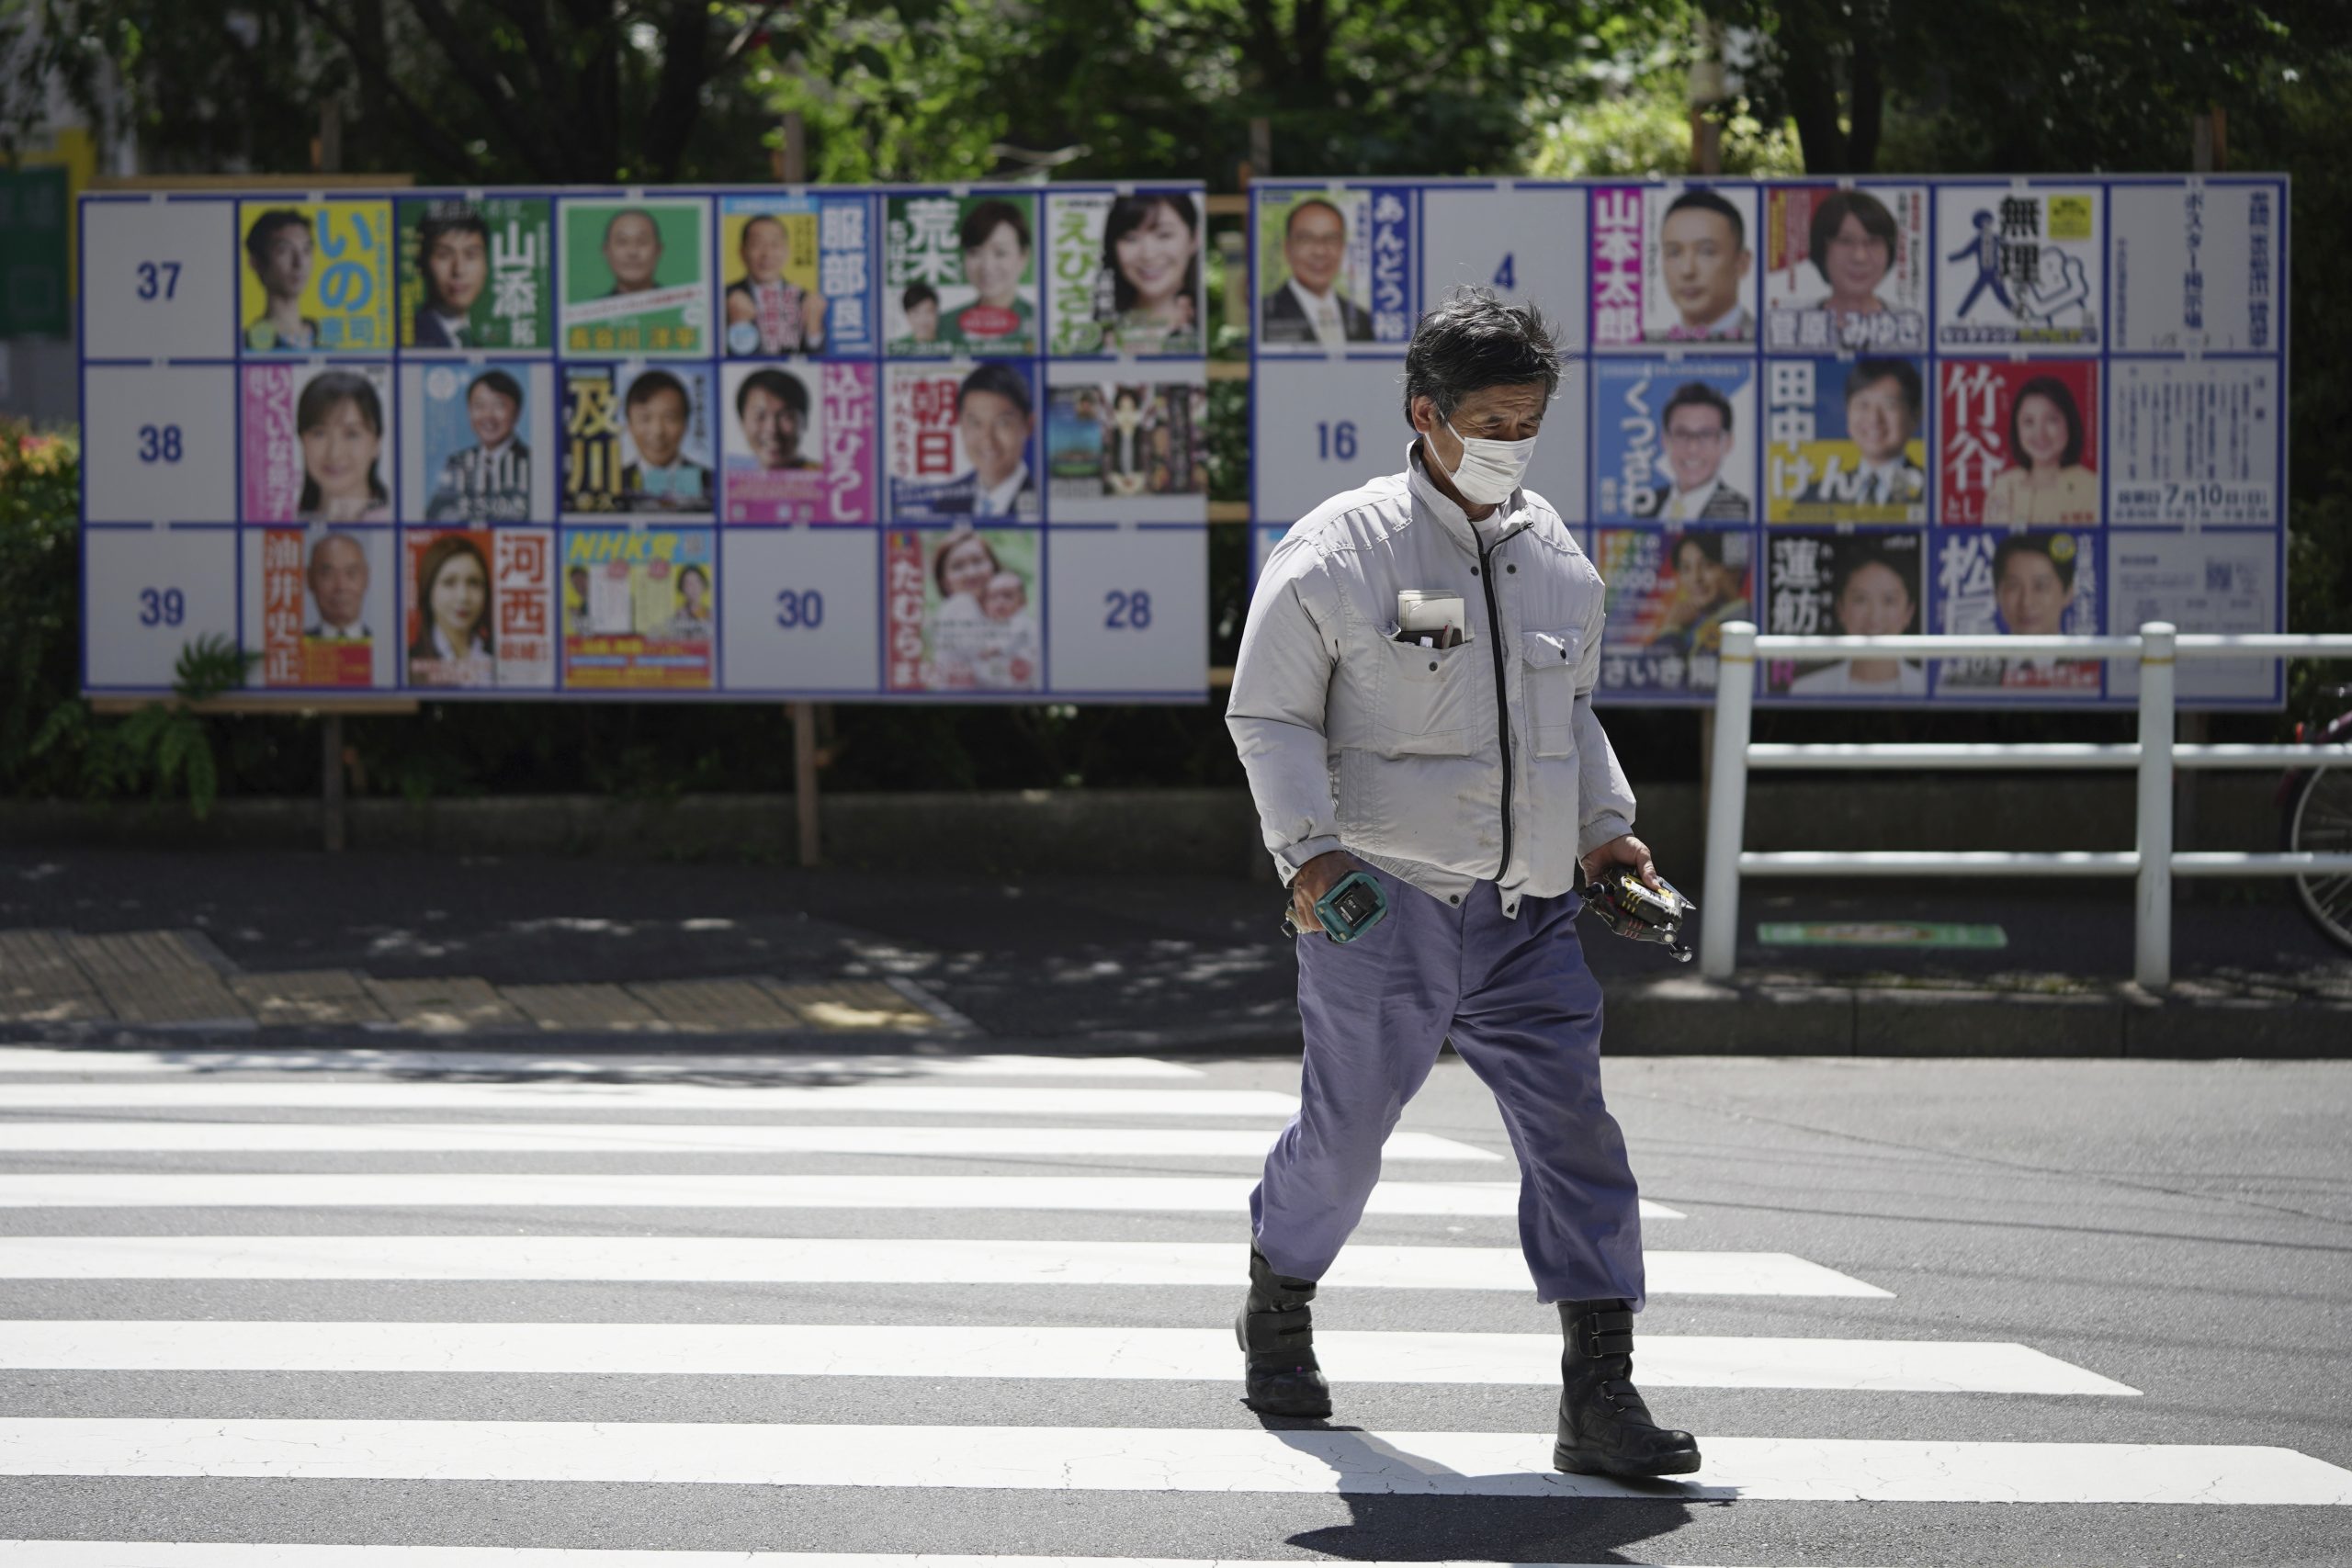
[{"x": 1471, "y": 341}]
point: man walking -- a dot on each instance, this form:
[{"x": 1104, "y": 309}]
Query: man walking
[{"x": 1474, "y": 783}]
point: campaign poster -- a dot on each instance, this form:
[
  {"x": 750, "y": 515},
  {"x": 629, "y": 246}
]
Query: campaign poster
[
  {"x": 1846, "y": 269},
  {"x": 2019, "y": 584},
  {"x": 1126, "y": 451},
  {"x": 1124, "y": 271},
  {"x": 636, "y": 275},
  {"x": 2200, "y": 582},
  {"x": 318, "y": 443},
  {"x": 959, "y": 274},
  {"x": 2194, "y": 266},
  {"x": 2021, "y": 267},
  {"x": 476, "y": 441},
  {"x": 2192, "y": 442},
  {"x": 2019, "y": 441},
  {"x": 1673, "y": 262},
  {"x": 481, "y": 607},
  {"x": 1336, "y": 269},
  {"x": 800, "y": 441},
  {"x": 640, "y": 609},
  {"x": 1845, "y": 583},
  {"x": 1669, "y": 595},
  {"x": 638, "y": 438},
  {"x": 319, "y": 606},
  {"x": 797, "y": 276},
  {"x": 961, "y": 442},
  {"x": 476, "y": 273},
  {"x": 1674, "y": 441},
  {"x": 317, "y": 276},
  {"x": 961, "y": 609},
  {"x": 1845, "y": 440}
]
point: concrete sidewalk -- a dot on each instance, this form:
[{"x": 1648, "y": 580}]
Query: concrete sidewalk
[{"x": 241, "y": 947}]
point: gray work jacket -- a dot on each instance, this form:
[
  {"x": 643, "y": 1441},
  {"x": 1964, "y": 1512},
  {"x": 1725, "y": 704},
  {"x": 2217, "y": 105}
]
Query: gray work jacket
[{"x": 1445, "y": 768}]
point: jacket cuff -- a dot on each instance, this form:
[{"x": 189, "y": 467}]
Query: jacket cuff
[
  {"x": 1290, "y": 857},
  {"x": 1599, "y": 831}
]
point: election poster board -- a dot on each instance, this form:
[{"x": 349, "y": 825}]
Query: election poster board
[
  {"x": 653, "y": 444},
  {"x": 1897, "y": 404}
]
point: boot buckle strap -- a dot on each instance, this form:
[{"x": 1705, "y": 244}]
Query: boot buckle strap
[
  {"x": 1610, "y": 1344},
  {"x": 1275, "y": 1331}
]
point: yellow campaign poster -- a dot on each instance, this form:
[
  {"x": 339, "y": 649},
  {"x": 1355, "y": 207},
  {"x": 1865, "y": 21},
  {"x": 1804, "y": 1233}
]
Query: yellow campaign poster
[
  {"x": 315, "y": 277},
  {"x": 767, "y": 258}
]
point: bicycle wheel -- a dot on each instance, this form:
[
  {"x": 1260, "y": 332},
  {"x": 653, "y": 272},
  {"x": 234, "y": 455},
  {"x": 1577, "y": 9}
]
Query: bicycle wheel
[{"x": 2321, "y": 824}]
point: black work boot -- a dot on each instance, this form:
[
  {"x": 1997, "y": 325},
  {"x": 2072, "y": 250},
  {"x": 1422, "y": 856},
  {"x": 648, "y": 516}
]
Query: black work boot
[
  {"x": 1605, "y": 1429},
  {"x": 1279, "y": 1375}
]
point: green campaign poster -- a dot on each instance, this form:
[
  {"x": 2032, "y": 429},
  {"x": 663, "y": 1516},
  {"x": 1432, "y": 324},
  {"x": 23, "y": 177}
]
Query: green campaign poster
[
  {"x": 476, "y": 274},
  {"x": 637, "y": 276}
]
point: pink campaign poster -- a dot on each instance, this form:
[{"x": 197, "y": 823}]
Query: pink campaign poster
[
  {"x": 1617, "y": 265},
  {"x": 799, "y": 442},
  {"x": 273, "y": 453}
]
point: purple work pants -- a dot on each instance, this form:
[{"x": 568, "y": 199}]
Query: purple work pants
[{"x": 1524, "y": 1012}]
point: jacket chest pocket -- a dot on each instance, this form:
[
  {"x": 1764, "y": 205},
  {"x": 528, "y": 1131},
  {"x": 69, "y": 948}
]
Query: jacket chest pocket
[
  {"x": 1550, "y": 675},
  {"x": 1429, "y": 697}
]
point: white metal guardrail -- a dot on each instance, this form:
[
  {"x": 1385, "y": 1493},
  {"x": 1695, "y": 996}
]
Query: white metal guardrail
[{"x": 2154, "y": 862}]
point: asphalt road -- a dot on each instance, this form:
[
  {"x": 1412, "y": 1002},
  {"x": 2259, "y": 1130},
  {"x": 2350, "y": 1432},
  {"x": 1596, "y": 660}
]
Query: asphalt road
[{"x": 2167, "y": 1242}]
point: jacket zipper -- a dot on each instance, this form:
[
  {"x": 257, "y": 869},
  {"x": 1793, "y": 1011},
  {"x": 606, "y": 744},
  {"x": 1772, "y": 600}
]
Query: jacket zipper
[{"x": 1502, "y": 694}]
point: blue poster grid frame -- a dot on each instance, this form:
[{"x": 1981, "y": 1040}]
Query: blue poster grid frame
[
  {"x": 559, "y": 525},
  {"x": 1932, "y": 529}
]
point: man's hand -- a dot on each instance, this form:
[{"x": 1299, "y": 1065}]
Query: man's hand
[
  {"x": 1316, "y": 878},
  {"x": 1623, "y": 849}
]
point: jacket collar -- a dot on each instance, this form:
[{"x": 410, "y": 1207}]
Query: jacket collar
[{"x": 1511, "y": 517}]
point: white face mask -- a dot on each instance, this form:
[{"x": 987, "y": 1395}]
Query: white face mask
[{"x": 1489, "y": 470}]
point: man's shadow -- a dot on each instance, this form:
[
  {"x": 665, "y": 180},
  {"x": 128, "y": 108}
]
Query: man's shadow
[{"x": 1525, "y": 1515}]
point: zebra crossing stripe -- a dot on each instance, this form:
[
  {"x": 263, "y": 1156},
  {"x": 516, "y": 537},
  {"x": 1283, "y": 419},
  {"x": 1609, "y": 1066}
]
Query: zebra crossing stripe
[
  {"x": 33, "y": 1059},
  {"x": 1207, "y": 1355},
  {"x": 762, "y": 1260},
  {"x": 251, "y": 1554},
  {"x": 504, "y": 1189},
  {"x": 699, "y": 1137},
  {"x": 947, "y": 1100},
  {"x": 1088, "y": 1459}
]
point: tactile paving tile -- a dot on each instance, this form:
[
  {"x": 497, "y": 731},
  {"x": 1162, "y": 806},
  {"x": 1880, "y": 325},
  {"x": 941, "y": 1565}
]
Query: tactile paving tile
[
  {"x": 583, "y": 1007},
  {"x": 308, "y": 996},
  {"x": 449, "y": 1004},
  {"x": 699, "y": 1005},
  {"x": 133, "y": 952},
  {"x": 172, "y": 996},
  {"x": 41, "y": 984},
  {"x": 844, "y": 1006}
]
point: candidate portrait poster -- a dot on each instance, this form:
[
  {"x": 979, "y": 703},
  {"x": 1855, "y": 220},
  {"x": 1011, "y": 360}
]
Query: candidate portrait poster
[
  {"x": 2019, "y": 584},
  {"x": 317, "y": 442},
  {"x": 2192, "y": 442},
  {"x": 2021, "y": 267},
  {"x": 961, "y": 442},
  {"x": 961, "y": 609},
  {"x": 636, "y": 275},
  {"x": 1846, "y": 269},
  {"x": 800, "y": 441},
  {"x": 1674, "y": 441},
  {"x": 2019, "y": 441},
  {"x": 478, "y": 441},
  {"x": 1337, "y": 269},
  {"x": 1670, "y": 594},
  {"x": 640, "y": 609},
  {"x": 316, "y": 277},
  {"x": 1673, "y": 264},
  {"x": 1124, "y": 271},
  {"x": 319, "y": 607},
  {"x": 637, "y": 438},
  {"x": 960, "y": 274},
  {"x": 2196, "y": 265},
  {"x": 1844, "y": 440},
  {"x": 481, "y": 607},
  {"x": 476, "y": 273},
  {"x": 1847, "y": 582},
  {"x": 796, "y": 274},
  {"x": 1126, "y": 451}
]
